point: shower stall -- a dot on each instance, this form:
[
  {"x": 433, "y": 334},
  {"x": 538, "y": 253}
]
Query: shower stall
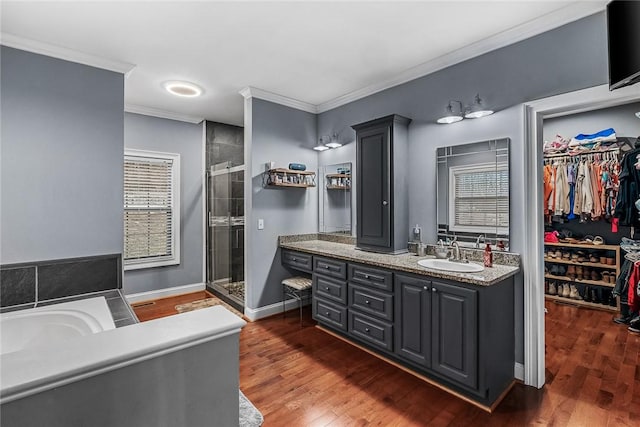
[{"x": 225, "y": 213}]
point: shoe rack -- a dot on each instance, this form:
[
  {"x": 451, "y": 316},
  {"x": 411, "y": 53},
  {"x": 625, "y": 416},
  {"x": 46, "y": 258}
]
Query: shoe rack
[{"x": 570, "y": 267}]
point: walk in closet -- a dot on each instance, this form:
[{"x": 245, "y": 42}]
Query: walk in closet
[{"x": 592, "y": 221}]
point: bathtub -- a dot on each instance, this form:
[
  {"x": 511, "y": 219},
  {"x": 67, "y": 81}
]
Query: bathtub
[
  {"x": 174, "y": 371},
  {"x": 53, "y": 324}
]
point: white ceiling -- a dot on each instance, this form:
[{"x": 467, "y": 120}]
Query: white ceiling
[{"x": 315, "y": 52}]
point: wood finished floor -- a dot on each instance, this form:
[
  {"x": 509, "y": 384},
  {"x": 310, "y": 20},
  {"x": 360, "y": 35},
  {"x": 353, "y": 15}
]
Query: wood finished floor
[
  {"x": 163, "y": 307},
  {"x": 304, "y": 377}
]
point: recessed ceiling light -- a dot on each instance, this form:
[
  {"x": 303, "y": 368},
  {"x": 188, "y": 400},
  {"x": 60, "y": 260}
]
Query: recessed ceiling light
[{"x": 184, "y": 89}]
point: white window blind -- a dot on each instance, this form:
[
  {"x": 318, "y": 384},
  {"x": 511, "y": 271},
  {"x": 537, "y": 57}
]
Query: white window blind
[
  {"x": 480, "y": 196},
  {"x": 151, "y": 209}
]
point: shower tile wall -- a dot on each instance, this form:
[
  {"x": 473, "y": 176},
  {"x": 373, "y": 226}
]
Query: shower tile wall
[{"x": 224, "y": 143}]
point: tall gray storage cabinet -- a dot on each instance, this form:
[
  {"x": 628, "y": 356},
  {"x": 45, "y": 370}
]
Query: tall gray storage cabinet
[{"x": 382, "y": 202}]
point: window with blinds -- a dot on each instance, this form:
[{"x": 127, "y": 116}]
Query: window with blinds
[
  {"x": 151, "y": 209},
  {"x": 479, "y": 198}
]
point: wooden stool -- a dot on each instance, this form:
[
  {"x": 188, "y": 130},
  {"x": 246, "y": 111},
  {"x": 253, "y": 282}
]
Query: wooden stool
[{"x": 297, "y": 288}]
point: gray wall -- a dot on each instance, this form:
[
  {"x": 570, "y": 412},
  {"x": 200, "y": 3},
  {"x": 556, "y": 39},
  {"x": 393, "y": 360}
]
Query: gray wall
[
  {"x": 621, "y": 118},
  {"x": 558, "y": 61},
  {"x": 61, "y": 158},
  {"x": 282, "y": 135},
  {"x": 152, "y": 133}
]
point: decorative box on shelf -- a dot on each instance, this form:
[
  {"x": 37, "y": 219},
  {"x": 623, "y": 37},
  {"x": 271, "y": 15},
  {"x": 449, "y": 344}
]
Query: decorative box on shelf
[
  {"x": 338, "y": 181},
  {"x": 281, "y": 177}
]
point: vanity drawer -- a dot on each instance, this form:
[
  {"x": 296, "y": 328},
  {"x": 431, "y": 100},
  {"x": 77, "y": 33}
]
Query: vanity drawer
[
  {"x": 379, "y": 304},
  {"x": 330, "y": 267},
  {"x": 330, "y": 289},
  {"x": 330, "y": 314},
  {"x": 372, "y": 331},
  {"x": 371, "y": 277},
  {"x": 297, "y": 260}
]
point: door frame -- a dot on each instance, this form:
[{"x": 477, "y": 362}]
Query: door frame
[{"x": 532, "y": 259}]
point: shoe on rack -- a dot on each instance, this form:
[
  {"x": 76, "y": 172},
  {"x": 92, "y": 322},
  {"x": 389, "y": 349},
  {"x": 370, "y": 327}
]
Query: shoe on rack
[
  {"x": 595, "y": 295},
  {"x": 622, "y": 320},
  {"x": 552, "y": 288},
  {"x": 566, "y": 290},
  {"x": 571, "y": 271},
  {"x": 587, "y": 294},
  {"x": 573, "y": 293},
  {"x": 562, "y": 270}
]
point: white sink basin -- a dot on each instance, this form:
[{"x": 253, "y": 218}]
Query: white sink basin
[{"x": 444, "y": 265}]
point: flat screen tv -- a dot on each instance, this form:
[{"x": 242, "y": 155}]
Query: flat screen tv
[{"x": 623, "y": 29}]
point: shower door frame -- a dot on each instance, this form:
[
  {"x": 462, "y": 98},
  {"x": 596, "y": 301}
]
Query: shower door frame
[{"x": 210, "y": 236}]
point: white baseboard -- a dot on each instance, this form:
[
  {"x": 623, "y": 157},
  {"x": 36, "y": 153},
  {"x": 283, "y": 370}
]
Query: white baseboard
[
  {"x": 254, "y": 314},
  {"x": 166, "y": 292},
  {"x": 518, "y": 371}
]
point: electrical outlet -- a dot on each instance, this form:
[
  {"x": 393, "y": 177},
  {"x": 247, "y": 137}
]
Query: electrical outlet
[{"x": 261, "y": 224}]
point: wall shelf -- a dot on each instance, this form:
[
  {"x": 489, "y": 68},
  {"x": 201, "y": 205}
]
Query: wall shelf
[
  {"x": 290, "y": 178},
  {"x": 338, "y": 181}
]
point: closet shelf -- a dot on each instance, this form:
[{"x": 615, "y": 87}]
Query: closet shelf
[
  {"x": 582, "y": 281},
  {"x": 563, "y": 300},
  {"x": 584, "y": 246},
  {"x": 585, "y": 264}
]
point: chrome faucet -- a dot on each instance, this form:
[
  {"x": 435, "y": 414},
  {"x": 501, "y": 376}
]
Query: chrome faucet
[
  {"x": 456, "y": 251},
  {"x": 480, "y": 238}
]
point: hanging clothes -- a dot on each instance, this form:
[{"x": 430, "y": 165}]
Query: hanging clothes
[{"x": 629, "y": 183}]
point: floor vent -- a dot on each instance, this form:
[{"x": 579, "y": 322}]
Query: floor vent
[{"x": 143, "y": 304}]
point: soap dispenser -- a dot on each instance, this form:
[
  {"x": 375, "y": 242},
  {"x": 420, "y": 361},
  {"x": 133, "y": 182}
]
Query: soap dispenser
[{"x": 417, "y": 234}]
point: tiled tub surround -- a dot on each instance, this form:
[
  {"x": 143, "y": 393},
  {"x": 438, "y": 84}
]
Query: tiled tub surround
[
  {"x": 167, "y": 361},
  {"x": 405, "y": 262},
  {"x": 36, "y": 284}
]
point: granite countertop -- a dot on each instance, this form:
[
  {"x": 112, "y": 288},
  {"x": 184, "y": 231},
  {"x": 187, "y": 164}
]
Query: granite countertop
[{"x": 404, "y": 262}]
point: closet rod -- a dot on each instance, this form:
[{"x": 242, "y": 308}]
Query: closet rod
[{"x": 615, "y": 150}]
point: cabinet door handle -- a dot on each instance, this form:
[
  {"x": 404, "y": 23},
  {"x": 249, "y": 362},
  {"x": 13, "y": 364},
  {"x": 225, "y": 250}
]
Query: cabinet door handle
[
  {"x": 326, "y": 266},
  {"x": 366, "y": 301},
  {"x": 385, "y": 203},
  {"x": 366, "y": 276},
  {"x": 326, "y": 288},
  {"x": 293, "y": 259},
  {"x": 366, "y": 330},
  {"x": 328, "y": 314},
  {"x": 434, "y": 290}
]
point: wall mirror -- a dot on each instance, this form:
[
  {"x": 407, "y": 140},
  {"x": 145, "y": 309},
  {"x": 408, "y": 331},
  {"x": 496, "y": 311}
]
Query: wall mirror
[
  {"x": 335, "y": 199},
  {"x": 473, "y": 192}
]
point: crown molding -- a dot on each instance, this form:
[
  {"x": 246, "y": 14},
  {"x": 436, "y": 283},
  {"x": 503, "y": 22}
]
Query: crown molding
[
  {"x": 253, "y": 92},
  {"x": 17, "y": 42},
  {"x": 560, "y": 17},
  {"x": 163, "y": 114}
]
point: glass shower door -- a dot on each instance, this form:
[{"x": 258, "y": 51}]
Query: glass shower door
[{"x": 225, "y": 205}]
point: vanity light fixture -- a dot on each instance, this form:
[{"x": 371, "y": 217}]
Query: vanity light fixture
[
  {"x": 321, "y": 146},
  {"x": 184, "y": 89},
  {"x": 451, "y": 117},
  {"x": 334, "y": 142},
  {"x": 477, "y": 110}
]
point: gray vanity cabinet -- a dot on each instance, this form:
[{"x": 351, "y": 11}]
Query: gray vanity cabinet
[
  {"x": 454, "y": 329},
  {"x": 329, "y": 292},
  {"x": 456, "y": 334},
  {"x": 381, "y": 183},
  {"x": 413, "y": 320}
]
